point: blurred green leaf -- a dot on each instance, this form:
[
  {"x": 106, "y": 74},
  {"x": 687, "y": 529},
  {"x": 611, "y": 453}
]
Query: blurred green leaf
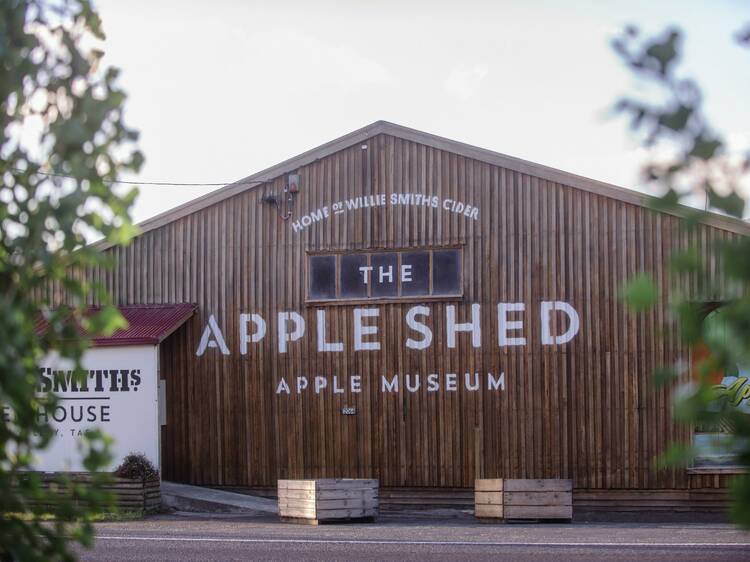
[
  {"x": 689, "y": 159},
  {"x": 740, "y": 494},
  {"x": 106, "y": 321},
  {"x": 123, "y": 234},
  {"x": 676, "y": 455},
  {"x": 735, "y": 256},
  {"x": 677, "y": 119},
  {"x": 705, "y": 148},
  {"x": 667, "y": 202},
  {"x": 640, "y": 293},
  {"x": 732, "y": 203},
  {"x": 664, "y": 376},
  {"x": 685, "y": 262},
  {"x": 664, "y": 51},
  {"x": 78, "y": 131}
]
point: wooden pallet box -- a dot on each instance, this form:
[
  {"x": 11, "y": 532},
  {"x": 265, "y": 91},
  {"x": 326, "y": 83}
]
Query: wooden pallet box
[
  {"x": 509, "y": 499},
  {"x": 328, "y": 499}
]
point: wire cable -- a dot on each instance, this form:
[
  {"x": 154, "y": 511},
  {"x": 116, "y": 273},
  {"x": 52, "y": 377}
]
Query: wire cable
[{"x": 155, "y": 183}]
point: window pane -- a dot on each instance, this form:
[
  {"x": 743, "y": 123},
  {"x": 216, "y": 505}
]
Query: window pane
[
  {"x": 322, "y": 272},
  {"x": 415, "y": 273},
  {"x": 384, "y": 276},
  {"x": 446, "y": 272},
  {"x": 716, "y": 449},
  {"x": 352, "y": 278}
]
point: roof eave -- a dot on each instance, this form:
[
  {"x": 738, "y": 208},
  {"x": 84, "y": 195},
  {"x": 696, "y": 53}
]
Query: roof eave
[{"x": 441, "y": 143}]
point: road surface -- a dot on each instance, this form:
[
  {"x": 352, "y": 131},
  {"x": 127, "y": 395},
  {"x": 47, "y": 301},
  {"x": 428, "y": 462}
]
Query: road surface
[{"x": 192, "y": 538}]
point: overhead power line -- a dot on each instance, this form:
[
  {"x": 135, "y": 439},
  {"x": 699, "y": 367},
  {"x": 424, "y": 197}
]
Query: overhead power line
[{"x": 156, "y": 183}]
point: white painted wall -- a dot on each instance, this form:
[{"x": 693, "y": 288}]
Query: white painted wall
[{"x": 129, "y": 416}]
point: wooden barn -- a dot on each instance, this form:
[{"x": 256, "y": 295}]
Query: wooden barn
[{"x": 401, "y": 306}]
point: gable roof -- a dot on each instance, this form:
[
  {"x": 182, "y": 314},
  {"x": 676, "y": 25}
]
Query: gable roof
[{"x": 441, "y": 143}]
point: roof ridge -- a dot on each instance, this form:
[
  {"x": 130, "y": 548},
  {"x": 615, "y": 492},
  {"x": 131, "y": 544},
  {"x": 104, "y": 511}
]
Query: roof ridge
[{"x": 441, "y": 143}]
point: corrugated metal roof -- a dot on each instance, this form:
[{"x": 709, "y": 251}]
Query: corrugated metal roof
[{"x": 148, "y": 324}]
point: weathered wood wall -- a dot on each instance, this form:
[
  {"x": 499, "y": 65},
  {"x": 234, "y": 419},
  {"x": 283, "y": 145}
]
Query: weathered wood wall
[{"x": 585, "y": 410}]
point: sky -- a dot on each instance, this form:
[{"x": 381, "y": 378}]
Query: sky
[{"x": 220, "y": 90}]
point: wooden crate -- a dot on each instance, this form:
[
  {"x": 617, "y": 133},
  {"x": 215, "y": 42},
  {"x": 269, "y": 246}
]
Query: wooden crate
[
  {"x": 513, "y": 499},
  {"x": 328, "y": 499}
]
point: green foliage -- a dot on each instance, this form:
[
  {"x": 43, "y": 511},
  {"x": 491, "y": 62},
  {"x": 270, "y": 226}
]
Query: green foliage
[
  {"x": 60, "y": 113},
  {"x": 676, "y": 454},
  {"x": 698, "y": 162},
  {"x": 640, "y": 293},
  {"x": 664, "y": 376}
]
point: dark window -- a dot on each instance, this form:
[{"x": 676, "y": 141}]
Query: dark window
[
  {"x": 446, "y": 274},
  {"x": 323, "y": 277},
  {"x": 384, "y": 275},
  {"x": 415, "y": 273},
  {"x": 354, "y": 267},
  {"x": 377, "y": 275}
]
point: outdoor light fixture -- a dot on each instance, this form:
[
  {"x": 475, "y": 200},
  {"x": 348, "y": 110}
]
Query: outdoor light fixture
[
  {"x": 284, "y": 203},
  {"x": 292, "y": 182}
]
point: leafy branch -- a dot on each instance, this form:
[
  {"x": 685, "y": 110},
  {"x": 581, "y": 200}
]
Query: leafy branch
[{"x": 689, "y": 159}]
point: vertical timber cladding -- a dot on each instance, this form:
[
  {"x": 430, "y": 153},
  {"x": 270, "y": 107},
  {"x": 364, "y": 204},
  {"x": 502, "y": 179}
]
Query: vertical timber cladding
[{"x": 583, "y": 409}]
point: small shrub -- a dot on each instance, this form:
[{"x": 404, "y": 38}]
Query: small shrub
[{"x": 136, "y": 466}]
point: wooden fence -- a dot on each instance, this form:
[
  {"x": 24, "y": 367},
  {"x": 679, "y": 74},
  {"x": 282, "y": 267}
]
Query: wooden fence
[{"x": 130, "y": 494}]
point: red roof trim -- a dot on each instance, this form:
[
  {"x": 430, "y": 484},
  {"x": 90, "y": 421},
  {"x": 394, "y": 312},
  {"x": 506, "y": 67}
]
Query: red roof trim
[{"x": 148, "y": 324}]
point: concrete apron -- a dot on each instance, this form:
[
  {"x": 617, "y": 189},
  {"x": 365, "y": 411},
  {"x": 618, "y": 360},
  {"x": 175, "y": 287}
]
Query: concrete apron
[{"x": 184, "y": 497}]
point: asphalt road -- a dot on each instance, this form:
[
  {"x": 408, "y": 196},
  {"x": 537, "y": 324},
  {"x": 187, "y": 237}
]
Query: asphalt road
[{"x": 189, "y": 538}]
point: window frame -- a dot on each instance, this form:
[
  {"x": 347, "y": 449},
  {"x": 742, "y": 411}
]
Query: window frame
[{"x": 343, "y": 301}]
